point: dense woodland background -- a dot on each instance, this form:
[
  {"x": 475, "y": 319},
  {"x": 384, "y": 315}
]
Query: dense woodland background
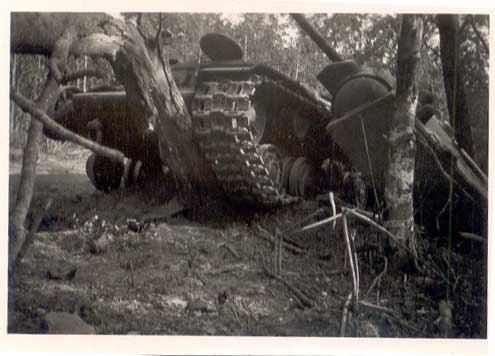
[{"x": 276, "y": 40}]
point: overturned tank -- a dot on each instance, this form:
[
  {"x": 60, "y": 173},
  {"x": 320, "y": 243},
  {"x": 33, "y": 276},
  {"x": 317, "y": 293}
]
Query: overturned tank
[{"x": 262, "y": 133}]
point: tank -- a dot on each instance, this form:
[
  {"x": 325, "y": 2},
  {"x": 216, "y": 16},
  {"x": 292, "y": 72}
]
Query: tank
[{"x": 262, "y": 133}]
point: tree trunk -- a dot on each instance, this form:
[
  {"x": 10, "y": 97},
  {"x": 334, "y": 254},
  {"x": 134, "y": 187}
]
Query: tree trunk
[
  {"x": 399, "y": 180},
  {"x": 25, "y": 190},
  {"x": 153, "y": 94},
  {"x": 453, "y": 77}
]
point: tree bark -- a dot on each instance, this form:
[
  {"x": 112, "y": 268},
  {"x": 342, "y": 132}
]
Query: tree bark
[
  {"x": 453, "y": 77},
  {"x": 399, "y": 180},
  {"x": 153, "y": 94},
  {"x": 58, "y": 61}
]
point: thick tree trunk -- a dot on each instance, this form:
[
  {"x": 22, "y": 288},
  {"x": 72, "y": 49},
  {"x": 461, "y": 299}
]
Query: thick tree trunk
[
  {"x": 399, "y": 180},
  {"x": 453, "y": 77},
  {"x": 153, "y": 94},
  {"x": 36, "y": 33}
]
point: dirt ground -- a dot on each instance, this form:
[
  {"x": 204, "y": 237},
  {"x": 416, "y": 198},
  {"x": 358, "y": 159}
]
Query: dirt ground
[{"x": 207, "y": 274}]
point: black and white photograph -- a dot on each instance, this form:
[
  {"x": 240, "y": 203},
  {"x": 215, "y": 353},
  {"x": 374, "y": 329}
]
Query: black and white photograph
[{"x": 309, "y": 174}]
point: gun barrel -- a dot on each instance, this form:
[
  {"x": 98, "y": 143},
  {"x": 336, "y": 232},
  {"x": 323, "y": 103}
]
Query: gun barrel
[{"x": 316, "y": 36}]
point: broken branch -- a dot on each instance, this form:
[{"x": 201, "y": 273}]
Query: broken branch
[
  {"x": 345, "y": 313},
  {"x": 379, "y": 277},
  {"x": 305, "y": 301}
]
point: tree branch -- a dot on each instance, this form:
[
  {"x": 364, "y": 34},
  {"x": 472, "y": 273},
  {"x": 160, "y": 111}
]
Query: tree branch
[
  {"x": 58, "y": 61},
  {"x": 31, "y": 108}
]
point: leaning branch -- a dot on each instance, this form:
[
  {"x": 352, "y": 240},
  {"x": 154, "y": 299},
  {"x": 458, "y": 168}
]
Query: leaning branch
[{"x": 31, "y": 108}]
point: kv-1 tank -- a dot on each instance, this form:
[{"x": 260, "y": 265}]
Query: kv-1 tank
[{"x": 262, "y": 132}]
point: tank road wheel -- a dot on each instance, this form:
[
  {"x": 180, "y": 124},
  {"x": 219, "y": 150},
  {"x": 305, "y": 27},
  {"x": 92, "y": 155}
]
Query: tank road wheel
[
  {"x": 272, "y": 160},
  {"x": 257, "y": 117},
  {"x": 355, "y": 189},
  {"x": 104, "y": 173},
  {"x": 287, "y": 163},
  {"x": 302, "y": 177}
]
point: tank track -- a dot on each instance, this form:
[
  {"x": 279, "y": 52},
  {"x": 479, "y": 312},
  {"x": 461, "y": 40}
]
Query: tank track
[{"x": 221, "y": 124}]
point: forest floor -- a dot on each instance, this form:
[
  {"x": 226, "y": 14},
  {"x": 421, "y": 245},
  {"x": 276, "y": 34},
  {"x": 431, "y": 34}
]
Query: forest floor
[{"x": 207, "y": 274}]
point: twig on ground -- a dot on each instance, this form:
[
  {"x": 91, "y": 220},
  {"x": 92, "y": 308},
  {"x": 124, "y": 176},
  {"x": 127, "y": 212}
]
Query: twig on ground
[
  {"x": 293, "y": 227},
  {"x": 319, "y": 223},
  {"x": 226, "y": 269},
  {"x": 378, "y": 308},
  {"x": 289, "y": 245},
  {"x": 345, "y": 314},
  {"x": 388, "y": 312},
  {"x": 473, "y": 237},
  {"x": 352, "y": 262},
  {"x": 379, "y": 277},
  {"x": 303, "y": 299},
  {"x": 279, "y": 253},
  {"x": 331, "y": 198},
  {"x": 231, "y": 250},
  {"x": 382, "y": 229},
  {"x": 133, "y": 284},
  {"x": 442, "y": 211},
  {"x": 398, "y": 243}
]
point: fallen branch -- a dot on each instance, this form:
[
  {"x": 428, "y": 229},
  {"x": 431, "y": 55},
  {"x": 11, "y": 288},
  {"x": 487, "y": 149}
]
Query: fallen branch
[
  {"x": 28, "y": 106},
  {"x": 379, "y": 277},
  {"x": 389, "y": 312},
  {"x": 345, "y": 313},
  {"x": 305, "y": 301},
  {"x": 382, "y": 229},
  {"x": 291, "y": 229},
  {"x": 398, "y": 243},
  {"x": 319, "y": 223},
  {"x": 473, "y": 237},
  {"x": 265, "y": 235},
  {"x": 231, "y": 250},
  {"x": 379, "y": 308},
  {"x": 352, "y": 261}
]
